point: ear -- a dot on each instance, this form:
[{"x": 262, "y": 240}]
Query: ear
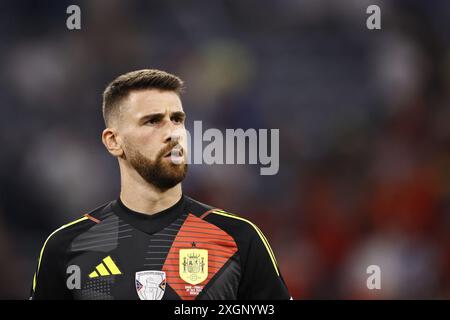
[{"x": 112, "y": 142}]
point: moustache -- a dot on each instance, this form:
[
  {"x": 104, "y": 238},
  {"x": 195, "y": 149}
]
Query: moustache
[{"x": 168, "y": 149}]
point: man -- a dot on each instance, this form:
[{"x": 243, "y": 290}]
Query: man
[{"x": 154, "y": 242}]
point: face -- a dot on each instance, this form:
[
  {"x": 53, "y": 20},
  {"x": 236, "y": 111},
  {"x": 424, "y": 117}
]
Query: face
[{"x": 151, "y": 127}]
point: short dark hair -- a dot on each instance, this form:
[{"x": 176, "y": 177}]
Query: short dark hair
[{"x": 120, "y": 87}]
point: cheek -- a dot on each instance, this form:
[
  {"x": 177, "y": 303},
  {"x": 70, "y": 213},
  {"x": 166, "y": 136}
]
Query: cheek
[
  {"x": 142, "y": 143},
  {"x": 147, "y": 144}
]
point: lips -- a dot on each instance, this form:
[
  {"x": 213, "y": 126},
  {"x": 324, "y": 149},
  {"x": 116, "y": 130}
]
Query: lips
[{"x": 176, "y": 151}]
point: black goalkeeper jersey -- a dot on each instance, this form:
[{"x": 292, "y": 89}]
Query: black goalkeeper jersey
[{"x": 189, "y": 251}]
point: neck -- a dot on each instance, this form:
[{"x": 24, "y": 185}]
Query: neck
[{"x": 138, "y": 195}]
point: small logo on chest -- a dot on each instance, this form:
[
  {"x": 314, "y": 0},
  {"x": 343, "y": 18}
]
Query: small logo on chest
[
  {"x": 106, "y": 268},
  {"x": 150, "y": 284}
]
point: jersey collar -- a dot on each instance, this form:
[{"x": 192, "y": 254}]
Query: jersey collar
[{"x": 149, "y": 223}]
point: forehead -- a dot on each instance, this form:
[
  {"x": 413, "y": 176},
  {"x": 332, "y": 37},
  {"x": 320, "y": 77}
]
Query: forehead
[{"x": 140, "y": 103}]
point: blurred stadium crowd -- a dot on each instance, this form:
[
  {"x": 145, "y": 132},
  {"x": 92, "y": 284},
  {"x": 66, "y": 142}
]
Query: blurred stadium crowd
[{"x": 363, "y": 116}]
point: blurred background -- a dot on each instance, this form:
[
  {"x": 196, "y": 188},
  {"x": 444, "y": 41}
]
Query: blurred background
[{"x": 364, "y": 119}]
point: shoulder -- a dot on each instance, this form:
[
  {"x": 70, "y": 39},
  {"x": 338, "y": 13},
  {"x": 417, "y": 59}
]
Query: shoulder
[
  {"x": 248, "y": 236},
  {"x": 58, "y": 240},
  {"x": 240, "y": 228}
]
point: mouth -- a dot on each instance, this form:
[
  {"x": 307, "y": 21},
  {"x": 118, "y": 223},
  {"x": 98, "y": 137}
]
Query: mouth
[{"x": 175, "y": 154}]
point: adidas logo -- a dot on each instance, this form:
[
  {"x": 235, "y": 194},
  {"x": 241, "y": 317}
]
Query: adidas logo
[{"x": 106, "y": 268}]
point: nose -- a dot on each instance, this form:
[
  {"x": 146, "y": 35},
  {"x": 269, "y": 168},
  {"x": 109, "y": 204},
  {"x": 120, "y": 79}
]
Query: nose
[{"x": 173, "y": 134}]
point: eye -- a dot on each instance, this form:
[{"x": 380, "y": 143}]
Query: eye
[
  {"x": 153, "y": 120},
  {"x": 178, "y": 119}
]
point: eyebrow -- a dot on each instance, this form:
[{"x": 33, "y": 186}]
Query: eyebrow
[{"x": 179, "y": 114}]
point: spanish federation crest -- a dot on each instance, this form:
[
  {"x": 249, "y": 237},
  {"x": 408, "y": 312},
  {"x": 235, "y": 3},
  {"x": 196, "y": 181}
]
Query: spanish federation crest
[
  {"x": 193, "y": 265},
  {"x": 150, "y": 285}
]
